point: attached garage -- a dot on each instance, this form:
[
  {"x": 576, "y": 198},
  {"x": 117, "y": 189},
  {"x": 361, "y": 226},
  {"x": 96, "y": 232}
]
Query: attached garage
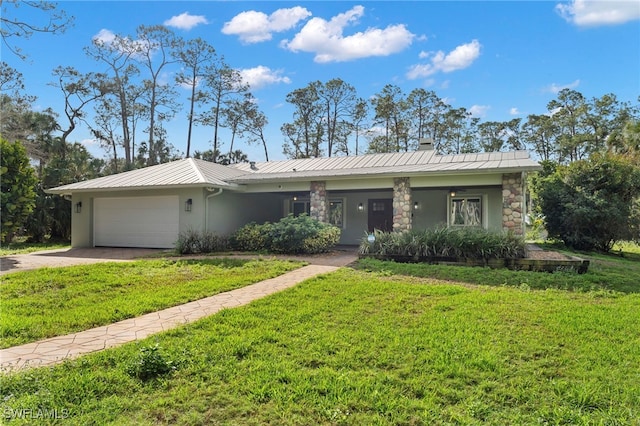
[{"x": 150, "y": 222}]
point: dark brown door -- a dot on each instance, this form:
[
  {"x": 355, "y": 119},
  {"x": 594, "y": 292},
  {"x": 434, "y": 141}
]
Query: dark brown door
[{"x": 381, "y": 215}]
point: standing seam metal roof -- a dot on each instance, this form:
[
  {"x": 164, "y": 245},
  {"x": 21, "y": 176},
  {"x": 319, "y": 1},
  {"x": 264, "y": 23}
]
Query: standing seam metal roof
[
  {"x": 384, "y": 164},
  {"x": 186, "y": 172},
  {"x": 199, "y": 173}
]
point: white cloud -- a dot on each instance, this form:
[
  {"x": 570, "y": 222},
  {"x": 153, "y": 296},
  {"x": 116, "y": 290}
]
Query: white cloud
[
  {"x": 261, "y": 76},
  {"x": 514, "y": 111},
  {"x": 90, "y": 142},
  {"x": 253, "y": 27},
  {"x": 555, "y": 88},
  {"x": 589, "y": 13},
  {"x": 479, "y": 110},
  {"x": 448, "y": 101},
  {"x": 184, "y": 21},
  {"x": 459, "y": 58},
  {"x": 105, "y": 36},
  {"x": 327, "y": 41}
]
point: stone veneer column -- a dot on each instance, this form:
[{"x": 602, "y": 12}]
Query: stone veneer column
[
  {"x": 401, "y": 204},
  {"x": 513, "y": 203},
  {"x": 318, "y": 202}
]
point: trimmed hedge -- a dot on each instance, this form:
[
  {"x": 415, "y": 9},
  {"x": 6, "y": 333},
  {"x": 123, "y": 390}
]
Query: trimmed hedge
[{"x": 443, "y": 242}]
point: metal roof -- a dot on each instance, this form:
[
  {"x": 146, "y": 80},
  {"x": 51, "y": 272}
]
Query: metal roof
[
  {"x": 199, "y": 173},
  {"x": 406, "y": 163},
  {"x": 188, "y": 172}
]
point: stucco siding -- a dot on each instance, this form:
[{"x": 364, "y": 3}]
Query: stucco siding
[
  {"x": 432, "y": 208},
  {"x": 229, "y": 211}
]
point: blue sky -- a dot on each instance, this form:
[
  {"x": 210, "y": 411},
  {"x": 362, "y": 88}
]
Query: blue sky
[{"x": 498, "y": 59}]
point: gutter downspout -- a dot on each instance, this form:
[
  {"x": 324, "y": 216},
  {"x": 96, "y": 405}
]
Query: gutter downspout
[
  {"x": 525, "y": 202},
  {"x": 206, "y": 205}
]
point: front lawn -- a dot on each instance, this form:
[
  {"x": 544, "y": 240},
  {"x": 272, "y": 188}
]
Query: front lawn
[
  {"x": 56, "y": 301},
  {"x": 19, "y": 247},
  {"x": 357, "y": 347}
]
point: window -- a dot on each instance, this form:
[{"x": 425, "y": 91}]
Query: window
[
  {"x": 336, "y": 213},
  {"x": 300, "y": 207},
  {"x": 466, "y": 211},
  {"x": 377, "y": 206}
]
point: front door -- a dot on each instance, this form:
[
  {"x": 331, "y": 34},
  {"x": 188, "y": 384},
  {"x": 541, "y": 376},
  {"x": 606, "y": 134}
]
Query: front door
[{"x": 381, "y": 215}]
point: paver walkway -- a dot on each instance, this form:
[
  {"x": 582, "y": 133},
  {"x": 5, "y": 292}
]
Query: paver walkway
[{"x": 57, "y": 349}]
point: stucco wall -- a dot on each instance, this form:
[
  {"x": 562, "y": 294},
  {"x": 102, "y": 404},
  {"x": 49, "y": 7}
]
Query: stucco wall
[{"x": 231, "y": 210}]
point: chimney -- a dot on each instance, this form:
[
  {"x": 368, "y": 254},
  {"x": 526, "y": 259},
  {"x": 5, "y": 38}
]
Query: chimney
[{"x": 425, "y": 144}]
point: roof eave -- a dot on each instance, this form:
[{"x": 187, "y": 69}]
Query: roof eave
[
  {"x": 63, "y": 191},
  {"x": 267, "y": 179}
]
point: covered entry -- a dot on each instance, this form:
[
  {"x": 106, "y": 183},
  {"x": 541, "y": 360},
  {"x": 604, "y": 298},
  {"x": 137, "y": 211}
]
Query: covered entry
[{"x": 150, "y": 222}]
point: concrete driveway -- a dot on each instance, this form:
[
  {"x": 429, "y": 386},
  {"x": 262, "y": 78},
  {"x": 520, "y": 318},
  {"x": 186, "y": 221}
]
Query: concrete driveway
[
  {"x": 69, "y": 257},
  {"x": 340, "y": 256}
]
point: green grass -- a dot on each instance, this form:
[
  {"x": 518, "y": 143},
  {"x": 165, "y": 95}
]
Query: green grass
[
  {"x": 357, "y": 348},
  {"x": 617, "y": 271},
  {"x": 26, "y": 248},
  {"x": 56, "y": 301}
]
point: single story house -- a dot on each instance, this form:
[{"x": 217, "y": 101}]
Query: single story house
[{"x": 150, "y": 207}]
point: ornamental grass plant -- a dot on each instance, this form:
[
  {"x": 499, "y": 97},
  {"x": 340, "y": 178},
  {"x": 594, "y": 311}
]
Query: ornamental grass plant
[{"x": 445, "y": 242}]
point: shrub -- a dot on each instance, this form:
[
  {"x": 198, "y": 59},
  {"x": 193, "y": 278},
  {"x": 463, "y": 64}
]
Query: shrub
[
  {"x": 150, "y": 363},
  {"x": 444, "y": 242},
  {"x": 589, "y": 204},
  {"x": 327, "y": 237},
  {"x": 193, "y": 242},
  {"x": 291, "y": 235},
  {"x": 252, "y": 237}
]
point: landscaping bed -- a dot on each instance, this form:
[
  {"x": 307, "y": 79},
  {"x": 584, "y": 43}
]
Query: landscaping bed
[
  {"x": 538, "y": 262},
  {"x": 466, "y": 247}
]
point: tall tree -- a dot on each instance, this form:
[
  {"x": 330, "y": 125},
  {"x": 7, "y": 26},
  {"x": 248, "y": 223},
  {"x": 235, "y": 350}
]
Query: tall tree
[
  {"x": 194, "y": 56},
  {"x": 569, "y": 112},
  {"x": 14, "y": 103},
  {"x": 44, "y": 18},
  {"x": 304, "y": 135},
  {"x": 359, "y": 116},
  {"x": 153, "y": 49},
  {"x": 459, "y": 133},
  {"x": 391, "y": 113},
  {"x": 78, "y": 90},
  {"x": 418, "y": 104},
  {"x": 224, "y": 84},
  {"x": 336, "y": 100},
  {"x": 435, "y": 120},
  {"x": 496, "y": 135},
  {"x": 18, "y": 181},
  {"x": 252, "y": 124},
  {"x": 116, "y": 54},
  {"x": 541, "y": 133}
]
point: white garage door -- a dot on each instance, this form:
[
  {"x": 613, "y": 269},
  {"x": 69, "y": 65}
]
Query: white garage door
[{"x": 136, "y": 222}]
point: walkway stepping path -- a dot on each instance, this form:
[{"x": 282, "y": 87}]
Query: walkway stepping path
[{"x": 57, "y": 349}]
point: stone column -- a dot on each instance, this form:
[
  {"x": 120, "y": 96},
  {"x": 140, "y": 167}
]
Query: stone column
[
  {"x": 513, "y": 200},
  {"x": 318, "y": 201},
  {"x": 401, "y": 204}
]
